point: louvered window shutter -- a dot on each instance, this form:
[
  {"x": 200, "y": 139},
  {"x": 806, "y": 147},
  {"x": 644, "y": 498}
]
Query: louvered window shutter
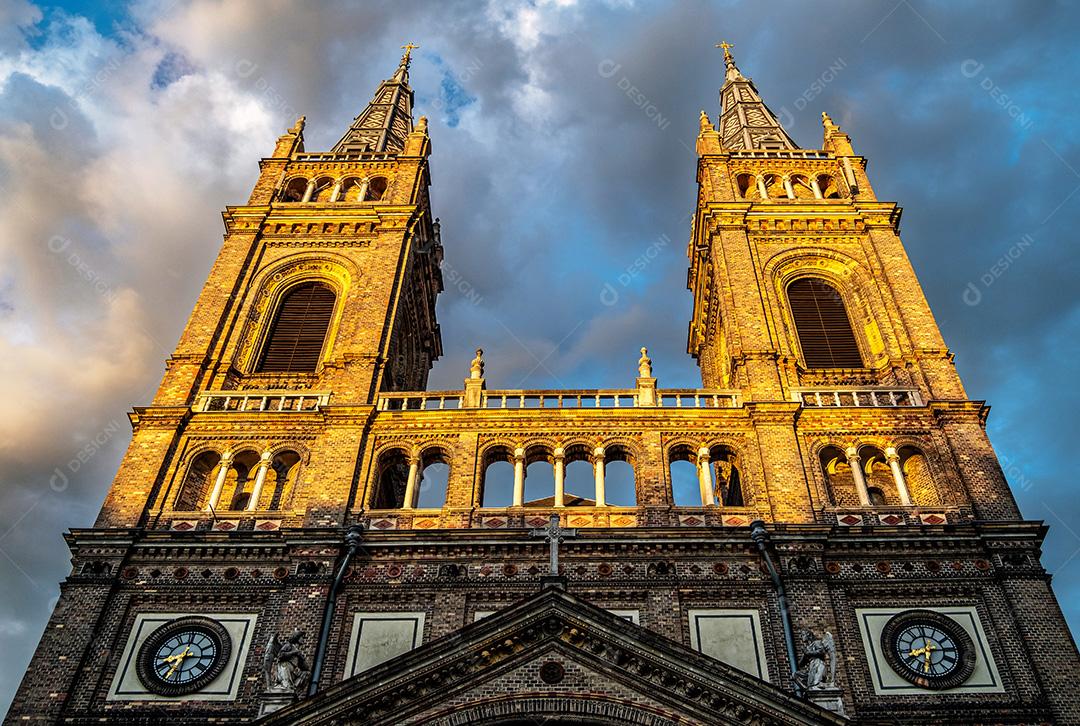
[
  {"x": 296, "y": 335},
  {"x": 823, "y": 326}
]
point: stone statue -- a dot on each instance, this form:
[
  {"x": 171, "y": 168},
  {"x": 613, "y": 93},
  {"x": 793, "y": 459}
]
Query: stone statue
[
  {"x": 811, "y": 675},
  {"x": 476, "y": 368},
  {"x": 284, "y": 666},
  {"x": 644, "y": 364}
]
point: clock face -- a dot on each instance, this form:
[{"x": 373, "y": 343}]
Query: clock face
[
  {"x": 928, "y": 648},
  {"x": 183, "y": 655}
]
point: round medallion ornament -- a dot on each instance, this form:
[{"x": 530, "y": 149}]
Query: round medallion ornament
[
  {"x": 928, "y": 649},
  {"x": 183, "y": 655},
  {"x": 552, "y": 673}
]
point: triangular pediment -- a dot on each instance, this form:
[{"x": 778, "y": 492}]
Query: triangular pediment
[{"x": 546, "y": 655}]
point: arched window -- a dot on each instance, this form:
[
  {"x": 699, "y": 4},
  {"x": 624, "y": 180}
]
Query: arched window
[
  {"x": 498, "y": 485},
  {"x": 324, "y": 189},
  {"x": 350, "y": 190},
  {"x": 774, "y": 186},
  {"x": 726, "y": 477},
  {"x": 838, "y": 478},
  {"x": 393, "y": 476},
  {"x": 280, "y": 480},
  {"x": 540, "y": 477},
  {"x": 376, "y": 189},
  {"x": 880, "y": 487},
  {"x": 579, "y": 486},
  {"x": 916, "y": 471},
  {"x": 877, "y": 496},
  {"x": 685, "y": 482},
  {"x": 295, "y": 340},
  {"x": 748, "y": 188},
  {"x": 434, "y": 479},
  {"x": 620, "y": 487},
  {"x": 294, "y": 191},
  {"x": 801, "y": 186},
  {"x": 822, "y": 323},
  {"x": 239, "y": 480},
  {"x": 197, "y": 482},
  {"x": 828, "y": 187}
]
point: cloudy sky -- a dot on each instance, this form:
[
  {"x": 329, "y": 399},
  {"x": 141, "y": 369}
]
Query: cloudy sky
[{"x": 562, "y": 136}]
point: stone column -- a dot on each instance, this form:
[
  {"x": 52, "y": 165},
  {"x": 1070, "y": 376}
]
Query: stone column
[
  {"x": 260, "y": 480},
  {"x": 219, "y": 483},
  {"x": 363, "y": 191},
  {"x": 817, "y": 189},
  {"x": 705, "y": 480},
  {"x": 336, "y": 193},
  {"x": 598, "y": 476},
  {"x": 898, "y": 476},
  {"x": 789, "y": 189},
  {"x": 857, "y": 474},
  {"x": 560, "y": 476},
  {"x": 410, "y": 486},
  {"x": 519, "y": 477},
  {"x": 760, "y": 186},
  {"x": 309, "y": 191}
]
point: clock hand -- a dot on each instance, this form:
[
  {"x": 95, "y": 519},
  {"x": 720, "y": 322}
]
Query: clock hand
[
  {"x": 177, "y": 660},
  {"x": 926, "y": 666}
]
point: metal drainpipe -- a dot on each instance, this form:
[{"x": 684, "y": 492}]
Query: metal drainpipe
[
  {"x": 353, "y": 538},
  {"x": 760, "y": 535}
]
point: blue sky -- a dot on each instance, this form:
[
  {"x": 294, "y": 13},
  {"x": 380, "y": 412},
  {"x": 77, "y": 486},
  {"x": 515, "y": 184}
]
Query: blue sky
[{"x": 126, "y": 127}]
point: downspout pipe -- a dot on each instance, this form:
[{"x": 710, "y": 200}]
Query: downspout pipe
[
  {"x": 760, "y": 535},
  {"x": 353, "y": 539}
]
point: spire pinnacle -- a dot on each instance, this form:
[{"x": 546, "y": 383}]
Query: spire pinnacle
[
  {"x": 387, "y": 120},
  {"x": 745, "y": 121}
]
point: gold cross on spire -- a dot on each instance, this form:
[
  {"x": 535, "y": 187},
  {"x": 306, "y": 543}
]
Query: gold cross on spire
[
  {"x": 727, "y": 49},
  {"x": 408, "y": 48}
]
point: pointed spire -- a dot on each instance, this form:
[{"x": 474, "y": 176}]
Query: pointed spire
[
  {"x": 745, "y": 121},
  {"x": 387, "y": 120}
]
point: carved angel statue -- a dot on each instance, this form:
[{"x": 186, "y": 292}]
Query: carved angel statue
[
  {"x": 284, "y": 665},
  {"x": 476, "y": 368},
  {"x": 811, "y": 675}
]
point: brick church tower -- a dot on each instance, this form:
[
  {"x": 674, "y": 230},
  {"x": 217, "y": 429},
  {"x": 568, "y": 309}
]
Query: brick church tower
[{"x": 301, "y": 533}]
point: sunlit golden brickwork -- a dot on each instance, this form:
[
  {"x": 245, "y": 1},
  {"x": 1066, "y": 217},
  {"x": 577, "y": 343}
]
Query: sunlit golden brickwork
[{"x": 369, "y": 551}]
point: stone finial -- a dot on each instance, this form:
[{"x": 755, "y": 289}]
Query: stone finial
[
  {"x": 298, "y": 127},
  {"x": 706, "y": 124},
  {"x": 827, "y": 122},
  {"x": 476, "y": 368},
  {"x": 644, "y": 364},
  {"x": 421, "y": 125}
]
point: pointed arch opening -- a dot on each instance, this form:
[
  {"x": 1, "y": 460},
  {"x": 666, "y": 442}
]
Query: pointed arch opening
[
  {"x": 281, "y": 480},
  {"x": 839, "y": 480},
  {"x": 294, "y": 190},
  {"x": 580, "y": 483},
  {"x": 294, "y": 342},
  {"x": 822, "y": 325}
]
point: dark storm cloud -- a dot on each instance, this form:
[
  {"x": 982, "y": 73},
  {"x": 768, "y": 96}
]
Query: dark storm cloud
[{"x": 568, "y": 175}]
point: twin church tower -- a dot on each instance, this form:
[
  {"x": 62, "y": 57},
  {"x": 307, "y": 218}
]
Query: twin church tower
[{"x": 301, "y": 533}]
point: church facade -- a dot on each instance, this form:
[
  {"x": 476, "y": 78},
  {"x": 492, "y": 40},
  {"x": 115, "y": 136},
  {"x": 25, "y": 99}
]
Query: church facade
[{"x": 300, "y": 532}]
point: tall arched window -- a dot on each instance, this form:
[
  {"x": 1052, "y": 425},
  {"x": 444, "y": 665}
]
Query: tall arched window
[
  {"x": 822, "y": 323},
  {"x": 295, "y": 340}
]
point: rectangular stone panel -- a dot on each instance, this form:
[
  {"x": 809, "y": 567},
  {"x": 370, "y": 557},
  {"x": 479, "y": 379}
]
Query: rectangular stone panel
[
  {"x": 731, "y": 636},
  {"x": 378, "y": 637}
]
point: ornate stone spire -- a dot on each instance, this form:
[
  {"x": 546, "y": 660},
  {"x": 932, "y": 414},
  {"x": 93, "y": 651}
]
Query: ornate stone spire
[
  {"x": 745, "y": 121},
  {"x": 387, "y": 120}
]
